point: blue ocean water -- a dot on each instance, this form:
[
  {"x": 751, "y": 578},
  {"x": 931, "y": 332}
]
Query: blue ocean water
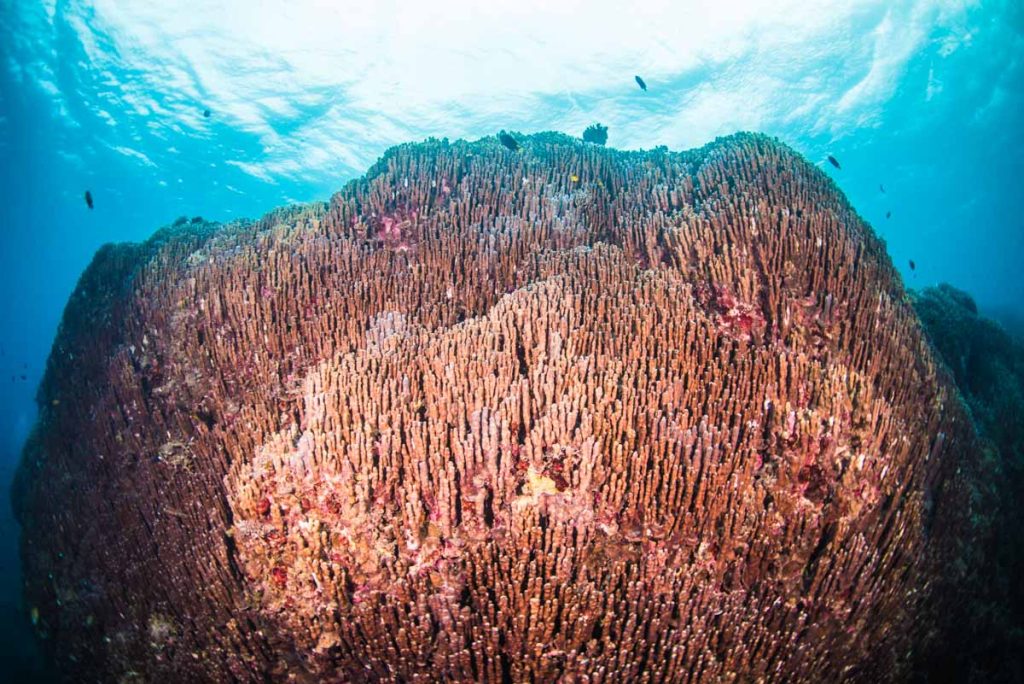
[{"x": 164, "y": 109}]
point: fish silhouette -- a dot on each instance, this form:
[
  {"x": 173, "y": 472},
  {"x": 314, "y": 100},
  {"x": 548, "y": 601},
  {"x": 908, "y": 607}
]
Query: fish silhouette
[
  {"x": 834, "y": 162},
  {"x": 88, "y": 199},
  {"x": 640, "y": 82},
  {"x": 913, "y": 266},
  {"x": 508, "y": 141}
]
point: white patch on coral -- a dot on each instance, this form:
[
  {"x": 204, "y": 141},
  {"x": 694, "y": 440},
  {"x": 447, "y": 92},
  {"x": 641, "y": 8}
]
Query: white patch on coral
[{"x": 386, "y": 326}]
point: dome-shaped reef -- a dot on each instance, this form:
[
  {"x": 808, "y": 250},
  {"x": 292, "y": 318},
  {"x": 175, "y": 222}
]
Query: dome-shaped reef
[{"x": 560, "y": 414}]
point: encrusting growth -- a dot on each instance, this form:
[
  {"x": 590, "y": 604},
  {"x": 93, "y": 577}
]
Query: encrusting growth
[{"x": 474, "y": 420}]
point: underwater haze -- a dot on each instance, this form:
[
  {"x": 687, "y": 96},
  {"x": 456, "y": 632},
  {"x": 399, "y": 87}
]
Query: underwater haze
[{"x": 228, "y": 110}]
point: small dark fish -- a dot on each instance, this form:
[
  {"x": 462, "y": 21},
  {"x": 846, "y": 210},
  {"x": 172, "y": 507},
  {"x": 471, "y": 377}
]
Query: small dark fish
[
  {"x": 888, "y": 214},
  {"x": 24, "y": 377},
  {"x": 88, "y": 199},
  {"x": 206, "y": 113},
  {"x": 882, "y": 188},
  {"x": 640, "y": 82},
  {"x": 508, "y": 141},
  {"x": 913, "y": 266},
  {"x": 834, "y": 162}
]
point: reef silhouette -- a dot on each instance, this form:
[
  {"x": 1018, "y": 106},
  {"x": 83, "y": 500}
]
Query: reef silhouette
[
  {"x": 473, "y": 420},
  {"x": 988, "y": 365}
]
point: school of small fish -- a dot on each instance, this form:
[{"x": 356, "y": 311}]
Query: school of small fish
[{"x": 881, "y": 188}]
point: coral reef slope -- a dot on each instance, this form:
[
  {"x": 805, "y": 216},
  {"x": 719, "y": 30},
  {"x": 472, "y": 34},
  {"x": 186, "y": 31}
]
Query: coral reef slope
[{"x": 506, "y": 416}]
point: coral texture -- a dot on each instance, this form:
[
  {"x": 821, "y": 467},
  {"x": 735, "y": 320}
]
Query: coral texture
[
  {"x": 988, "y": 365},
  {"x": 556, "y": 414}
]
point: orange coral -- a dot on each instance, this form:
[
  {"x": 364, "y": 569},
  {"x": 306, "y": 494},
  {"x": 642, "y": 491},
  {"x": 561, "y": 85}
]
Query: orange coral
[{"x": 475, "y": 421}]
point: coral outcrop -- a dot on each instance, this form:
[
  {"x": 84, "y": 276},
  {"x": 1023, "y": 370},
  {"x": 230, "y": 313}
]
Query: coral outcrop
[
  {"x": 988, "y": 365},
  {"x": 556, "y": 414},
  {"x": 986, "y": 361}
]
